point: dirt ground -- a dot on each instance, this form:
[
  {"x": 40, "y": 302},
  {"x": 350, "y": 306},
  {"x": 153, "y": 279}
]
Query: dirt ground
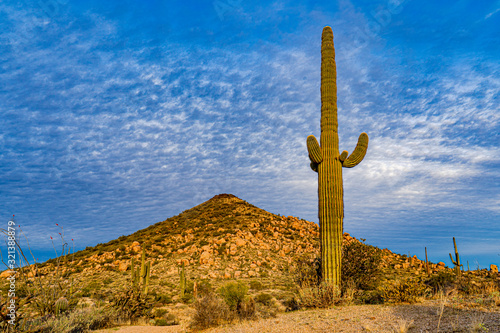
[{"x": 423, "y": 317}]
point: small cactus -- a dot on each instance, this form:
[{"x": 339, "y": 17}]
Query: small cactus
[
  {"x": 61, "y": 306},
  {"x": 456, "y": 261},
  {"x": 140, "y": 277},
  {"x": 427, "y": 270},
  {"x": 183, "y": 283}
]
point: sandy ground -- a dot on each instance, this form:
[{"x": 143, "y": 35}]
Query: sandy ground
[{"x": 356, "y": 318}]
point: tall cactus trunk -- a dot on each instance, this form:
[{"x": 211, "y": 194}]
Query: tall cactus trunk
[
  {"x": 327, "y": 161},
  {"x": 331, "y": 192}
]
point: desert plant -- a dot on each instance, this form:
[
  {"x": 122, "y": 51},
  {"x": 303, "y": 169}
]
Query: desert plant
[
  {"x": 264, "y": 299},
  {"x": 427, "y": 269},
  {"x": 183, "y": 281},
  {"x": 233, "y": 293},
  {"x": 402, "y": 291},
  {"x": 307, "y": 271},
  {"x": 168, "y": 319},
  {"x": 360, "y": 266},
  {"x": 328, "y": 162},
  {"x": 41, "y": 292},
  {"x": 403, "y": 325},
  {"x": 210, "y": 310},
  {"x": 140, "y": 277},
  {"x": 456, "y": 261},
  {"x": 441, "y": 281},
  {"x": 324, "y": 295},
  {"x": 133, "y": 304},
  {"x": 61, "y": 305},
  {"x": 246, "y": 309}
]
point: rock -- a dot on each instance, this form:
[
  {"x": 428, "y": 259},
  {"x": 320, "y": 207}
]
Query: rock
[
  {"x": 204, "y": 257},
  {"x": 136, "y": 246},
  {"x": 237, "y": 273},
  {"x": 441, "y": 264},
  {"x": 5, "y": 274},
  {"x": 493, "y": 268},
  {"x": 240, "y": 242},
  {"x": 122, "y": 267}
]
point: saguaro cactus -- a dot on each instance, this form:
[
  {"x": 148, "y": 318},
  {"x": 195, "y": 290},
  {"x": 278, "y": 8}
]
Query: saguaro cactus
[
  {"x": 328, "y": 162},
  {"x": 456, "y": 261}
]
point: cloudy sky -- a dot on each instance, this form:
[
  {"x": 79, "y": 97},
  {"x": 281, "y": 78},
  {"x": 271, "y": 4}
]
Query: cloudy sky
[{"x": 115, "y": 115}]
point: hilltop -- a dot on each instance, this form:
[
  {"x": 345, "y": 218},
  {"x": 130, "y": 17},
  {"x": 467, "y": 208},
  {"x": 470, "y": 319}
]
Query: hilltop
[{"x": 222, "y": 238}]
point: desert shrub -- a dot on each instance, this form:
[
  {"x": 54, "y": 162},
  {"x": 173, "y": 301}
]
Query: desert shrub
[
  {"x": 187, "y": 298},
  {"x": 465, "y": 286},
  {"x": 167, "y": 320},
  {"x": 256, "y": 285},
  {"x": 233, "y": 293},
  {"x": 402, "y": 291},
  {"x": 307, "y": 271},
  {"x": 221, "y": 249},
  {"x": 246, "y": 309},
  {"x": 264, "y": 299},
  {"x": 291, "y": 304},
  {"x": 442, "y": 280},
  {"x": 323, "y": 295},
  {"x": 370, "y": 297},
  {"x": 210, "y": 310},
  {"x": 160, "y": 313},
  {"x": 360, "y": 266},
  {"x": 204, "y": 288},
  {"x": 163, "y": 298},
  {"x": 133, "y": 304},
  {"x": 80, "y": 320}
]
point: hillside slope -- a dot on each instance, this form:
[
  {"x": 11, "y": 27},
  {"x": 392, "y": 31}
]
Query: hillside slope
[{"x": 221, "y": 239}]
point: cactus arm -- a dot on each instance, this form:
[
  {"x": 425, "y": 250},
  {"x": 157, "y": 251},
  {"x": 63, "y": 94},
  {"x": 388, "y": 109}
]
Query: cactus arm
[
  {"x": 343, "y": 156},
  {"x": 315, "y": 154},
  {"x": 358, "y": 154},
  {"x": 314, "y": 150},
  {"x": 452, "y": 260},
  {"x": 456, "y": 261}
]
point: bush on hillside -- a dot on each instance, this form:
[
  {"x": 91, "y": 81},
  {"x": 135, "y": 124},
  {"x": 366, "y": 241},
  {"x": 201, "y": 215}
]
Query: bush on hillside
[
  {"x": 210, "y": 310},
  {"x": 360, "y": 266},
  {"x": 233, "y": 293},
  {"x": 402, "y": 291}
]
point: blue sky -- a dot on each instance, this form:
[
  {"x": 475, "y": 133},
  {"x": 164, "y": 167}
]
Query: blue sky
[{"x": 116, "y": 115}]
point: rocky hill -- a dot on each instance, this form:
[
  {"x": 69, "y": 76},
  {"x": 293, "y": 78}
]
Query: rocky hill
[{"x": 221, "y": 239}]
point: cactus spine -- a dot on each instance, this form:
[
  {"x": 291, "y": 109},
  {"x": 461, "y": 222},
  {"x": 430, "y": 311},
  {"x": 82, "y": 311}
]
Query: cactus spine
[
  {"x": 328, "y": 162},
  {"x": 456, "y": 261}
]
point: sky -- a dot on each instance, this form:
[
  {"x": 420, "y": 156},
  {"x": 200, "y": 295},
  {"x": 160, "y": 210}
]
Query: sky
[{"x": 115, "y": 115}]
